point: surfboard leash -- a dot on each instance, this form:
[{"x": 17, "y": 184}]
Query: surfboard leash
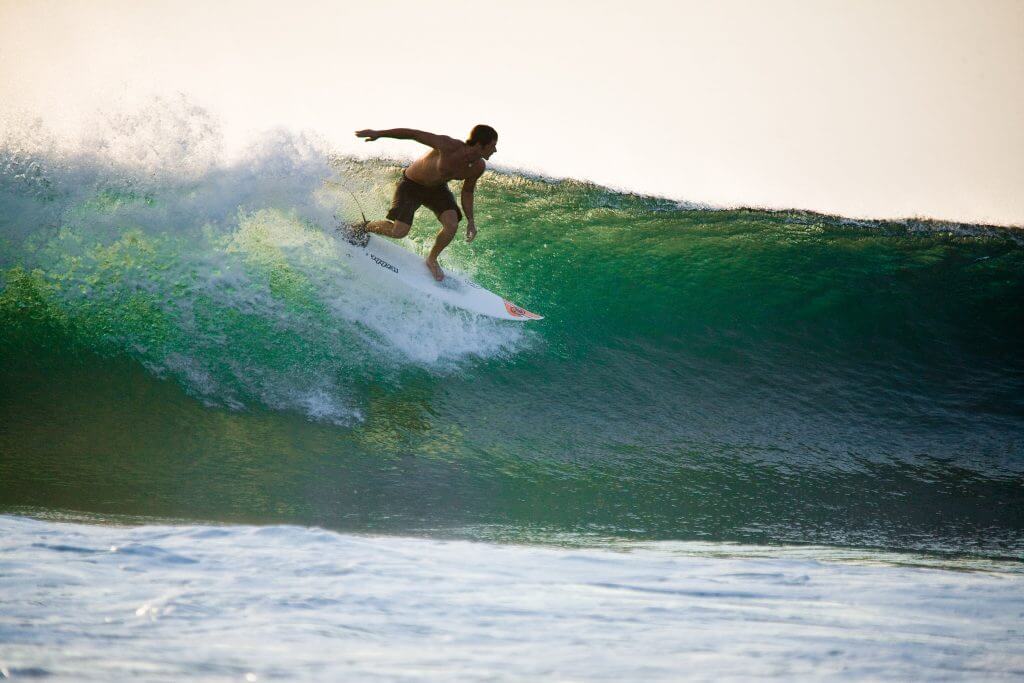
[{"x": 358, "y": 205}]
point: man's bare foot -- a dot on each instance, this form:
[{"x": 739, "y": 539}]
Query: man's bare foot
[{"x": 435, "y": 270}]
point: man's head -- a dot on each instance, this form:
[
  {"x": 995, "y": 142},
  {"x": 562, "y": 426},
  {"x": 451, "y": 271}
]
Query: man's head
[{"x": 485, "y": 138}]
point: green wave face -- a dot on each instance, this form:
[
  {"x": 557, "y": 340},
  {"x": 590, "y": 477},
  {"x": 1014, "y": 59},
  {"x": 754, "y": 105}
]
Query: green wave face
[{"x": 193, "y": 345}]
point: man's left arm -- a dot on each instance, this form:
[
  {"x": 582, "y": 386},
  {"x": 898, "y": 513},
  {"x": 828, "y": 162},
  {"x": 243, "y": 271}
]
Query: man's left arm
[{"x": 467, "y": 206}]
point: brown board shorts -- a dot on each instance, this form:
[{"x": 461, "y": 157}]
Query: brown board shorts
[{"x": 410, "y": 195}]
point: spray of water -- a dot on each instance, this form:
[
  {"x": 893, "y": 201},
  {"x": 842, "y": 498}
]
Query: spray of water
[{"x": 223, "y": 275}]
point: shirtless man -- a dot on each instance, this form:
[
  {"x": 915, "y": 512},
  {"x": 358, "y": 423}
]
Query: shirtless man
[{"x": 425, "y": 183}]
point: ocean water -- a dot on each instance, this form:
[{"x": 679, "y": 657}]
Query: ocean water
[
  {"x": 236, "y": 603},
  {"x": 179, "y": 340}
]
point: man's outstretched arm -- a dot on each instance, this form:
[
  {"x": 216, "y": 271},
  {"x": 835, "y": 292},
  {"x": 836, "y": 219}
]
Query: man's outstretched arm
[{"x": 423, "y": 137}]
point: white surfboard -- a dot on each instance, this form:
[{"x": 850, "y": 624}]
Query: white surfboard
[{"x": 401, "y": 265}]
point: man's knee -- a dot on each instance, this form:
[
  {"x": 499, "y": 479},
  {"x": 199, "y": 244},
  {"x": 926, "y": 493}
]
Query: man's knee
[
  {"x": 450, "y": 221},
  {"x": 400, "y": 230}
]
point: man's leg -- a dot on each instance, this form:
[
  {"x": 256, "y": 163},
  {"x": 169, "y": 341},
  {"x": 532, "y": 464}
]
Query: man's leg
[
  {"x": 403, "y": 209},
  {"x": 396, "y": 229},
  {"x": 449, "y": 225}
]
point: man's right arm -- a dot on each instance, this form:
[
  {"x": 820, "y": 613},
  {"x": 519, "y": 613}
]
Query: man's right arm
[{"x": 423, "y": 137}]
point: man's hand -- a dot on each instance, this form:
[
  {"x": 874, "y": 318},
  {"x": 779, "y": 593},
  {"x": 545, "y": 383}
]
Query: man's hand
[
  {"x": 470, "y": 232},
  {"x": 369, "y": 134}
]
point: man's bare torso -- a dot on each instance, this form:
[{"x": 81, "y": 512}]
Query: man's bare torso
[{"x": 438, "y": 166}]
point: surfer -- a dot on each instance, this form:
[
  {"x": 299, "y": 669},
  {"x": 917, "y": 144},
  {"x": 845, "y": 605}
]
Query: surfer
[{"x": 425, "y": 183}]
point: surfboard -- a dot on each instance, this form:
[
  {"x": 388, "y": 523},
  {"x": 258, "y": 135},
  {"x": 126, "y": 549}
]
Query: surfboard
[{"x": 397, "y": 264}]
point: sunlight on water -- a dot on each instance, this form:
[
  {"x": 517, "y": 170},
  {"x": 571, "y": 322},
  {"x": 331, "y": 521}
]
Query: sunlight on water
[{"x": 284, "y": 602}]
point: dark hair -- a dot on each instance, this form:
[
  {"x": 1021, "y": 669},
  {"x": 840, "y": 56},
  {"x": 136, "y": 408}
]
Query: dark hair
[{"x": 482, "y": 135}]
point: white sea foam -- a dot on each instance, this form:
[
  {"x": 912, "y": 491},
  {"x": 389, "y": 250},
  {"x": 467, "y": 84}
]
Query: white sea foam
[{"x": 286, "y": 603}]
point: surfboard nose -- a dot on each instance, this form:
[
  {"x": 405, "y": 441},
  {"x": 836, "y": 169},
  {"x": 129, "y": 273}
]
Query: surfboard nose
[{"x": 520, "y": 312}]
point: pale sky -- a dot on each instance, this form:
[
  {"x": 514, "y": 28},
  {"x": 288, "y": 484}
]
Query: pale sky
[{"x": 870, "y": 109}]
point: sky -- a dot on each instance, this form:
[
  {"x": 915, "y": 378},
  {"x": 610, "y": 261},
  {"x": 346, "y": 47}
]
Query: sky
[{"x": 875, "y": 109}]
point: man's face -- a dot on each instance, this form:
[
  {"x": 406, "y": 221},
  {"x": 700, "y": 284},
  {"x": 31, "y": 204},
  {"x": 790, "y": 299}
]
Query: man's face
[{"x": 489, "y": 149}]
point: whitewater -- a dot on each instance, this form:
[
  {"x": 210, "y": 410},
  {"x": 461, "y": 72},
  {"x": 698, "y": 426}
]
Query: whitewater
[
  {"x": 211, "y": 603},
  {"x": 741, "y": 442}
]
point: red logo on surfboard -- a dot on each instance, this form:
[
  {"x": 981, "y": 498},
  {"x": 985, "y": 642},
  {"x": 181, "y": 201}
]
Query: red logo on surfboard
[{"x": 517, "y": 312}]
